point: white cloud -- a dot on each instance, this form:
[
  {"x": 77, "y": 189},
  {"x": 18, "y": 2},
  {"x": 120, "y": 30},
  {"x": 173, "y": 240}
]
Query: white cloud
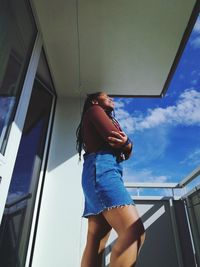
[
  {"x": 197, "y": 26},
  {"x": 127, "y": 100},
  {"x": 121, "y": 114},
  {"x": 193, "y": 158},
  {"x": 195, "y": 43},
  {"x": 119, "y": 104},
  {"x": 125, "y": 119},
  {"x": 144, "y": 176},
  {"x": 186, "y": 111}
]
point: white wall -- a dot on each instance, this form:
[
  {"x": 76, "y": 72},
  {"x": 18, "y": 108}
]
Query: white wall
[{"x": 58, "y": 234}]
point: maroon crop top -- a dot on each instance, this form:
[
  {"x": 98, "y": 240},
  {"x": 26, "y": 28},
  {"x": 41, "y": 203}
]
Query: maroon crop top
[{"x": 97, "y": 127}]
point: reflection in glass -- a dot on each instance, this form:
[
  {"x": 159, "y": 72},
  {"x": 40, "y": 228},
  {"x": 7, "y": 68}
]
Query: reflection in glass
[
  {"x": 17, "y": 35},
  {"x": 17, "y": 218},
  {"x": 16, "y": 223}
]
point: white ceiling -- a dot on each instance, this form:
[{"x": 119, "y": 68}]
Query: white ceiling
[{"x": 124, "y": 47}]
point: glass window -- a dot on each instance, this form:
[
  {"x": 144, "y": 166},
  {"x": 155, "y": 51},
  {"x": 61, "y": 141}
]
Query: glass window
[
  {"x": 17, "y": 218},
  {"x": 17, "y": 35}
]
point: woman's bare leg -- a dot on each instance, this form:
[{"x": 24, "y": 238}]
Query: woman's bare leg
[
  {"x": 97, "y": 236},
  {"x": 131, "y": 234}
]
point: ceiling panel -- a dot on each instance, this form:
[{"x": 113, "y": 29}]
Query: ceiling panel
[{"x": 123, "y": 47}]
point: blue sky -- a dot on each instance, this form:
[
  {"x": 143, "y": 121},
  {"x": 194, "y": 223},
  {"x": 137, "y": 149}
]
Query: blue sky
[{"x": 166, "y": 131}]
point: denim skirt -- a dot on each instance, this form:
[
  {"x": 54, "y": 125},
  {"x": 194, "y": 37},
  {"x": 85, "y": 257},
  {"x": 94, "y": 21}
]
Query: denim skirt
[{"x": 102, "y": 183}]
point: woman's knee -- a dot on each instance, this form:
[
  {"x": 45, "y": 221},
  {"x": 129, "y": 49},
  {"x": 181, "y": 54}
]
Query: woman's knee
[
  {"x": 134, "y": 234},
  {"x": 139, "y": 234},
  {"x": 136, "y": 230}
]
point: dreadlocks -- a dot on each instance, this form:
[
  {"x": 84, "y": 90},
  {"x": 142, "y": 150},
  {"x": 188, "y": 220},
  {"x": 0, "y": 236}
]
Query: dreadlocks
[{"x": 79, "y": 136}]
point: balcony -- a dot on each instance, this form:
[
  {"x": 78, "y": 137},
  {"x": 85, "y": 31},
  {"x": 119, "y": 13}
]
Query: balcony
[
  {"x": 134, "y": 52},
  {"x": 171, "y": 220}
]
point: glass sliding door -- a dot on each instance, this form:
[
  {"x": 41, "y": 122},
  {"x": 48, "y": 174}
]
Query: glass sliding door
[
  {"x": 26, "y": 97},
  {"x": 17, "y": 35},
  {"x": 20, "y": 47},
  {"x": 17, "y": 219}
]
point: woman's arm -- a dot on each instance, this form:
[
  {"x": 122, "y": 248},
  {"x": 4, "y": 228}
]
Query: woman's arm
[
  {"x": 121, "y": 141},
  {"x": 108, "y": 131},
  {"x": 101, "y": 121}
]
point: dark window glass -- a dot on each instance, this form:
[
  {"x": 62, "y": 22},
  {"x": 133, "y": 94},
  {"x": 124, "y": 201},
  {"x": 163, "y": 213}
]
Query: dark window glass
[
  {"x": 43, "y": 73},
  {"x": 17, "y": 35}
]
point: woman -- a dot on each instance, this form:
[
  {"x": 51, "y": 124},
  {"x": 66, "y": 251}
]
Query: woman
[{"x": 107, "y": 202}]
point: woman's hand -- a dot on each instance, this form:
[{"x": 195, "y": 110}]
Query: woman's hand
[{"x": 118, "y": 139}]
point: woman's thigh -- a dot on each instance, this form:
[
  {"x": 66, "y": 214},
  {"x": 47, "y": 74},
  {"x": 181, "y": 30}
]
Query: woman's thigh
[
  {"x": 98, "y": 227},
  {"x": 123, "y": 219}
]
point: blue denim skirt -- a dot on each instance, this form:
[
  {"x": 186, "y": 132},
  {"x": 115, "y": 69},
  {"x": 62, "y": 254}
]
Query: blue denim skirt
[{"x": 102, "y": 183}]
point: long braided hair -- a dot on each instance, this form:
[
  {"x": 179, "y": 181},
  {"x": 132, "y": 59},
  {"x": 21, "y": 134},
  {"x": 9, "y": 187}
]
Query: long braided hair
[{"x": 79, "y": 137}]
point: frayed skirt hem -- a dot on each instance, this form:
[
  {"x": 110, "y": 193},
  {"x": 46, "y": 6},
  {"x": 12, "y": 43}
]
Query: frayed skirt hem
[{"x": 86, "y": 215}]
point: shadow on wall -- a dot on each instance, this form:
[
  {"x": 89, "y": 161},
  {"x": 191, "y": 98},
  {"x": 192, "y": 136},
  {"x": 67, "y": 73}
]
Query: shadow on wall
[
  {"x": 159, "y": 248},
  {"x": 63, "y": 142}
]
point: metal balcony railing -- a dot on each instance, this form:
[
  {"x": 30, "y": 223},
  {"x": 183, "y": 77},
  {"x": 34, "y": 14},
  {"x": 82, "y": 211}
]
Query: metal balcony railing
[{"x": 183, "y": 210}]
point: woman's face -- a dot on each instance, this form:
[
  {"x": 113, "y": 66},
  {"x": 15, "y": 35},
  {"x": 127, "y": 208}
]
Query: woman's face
[{"x": 105, "y": 102}]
